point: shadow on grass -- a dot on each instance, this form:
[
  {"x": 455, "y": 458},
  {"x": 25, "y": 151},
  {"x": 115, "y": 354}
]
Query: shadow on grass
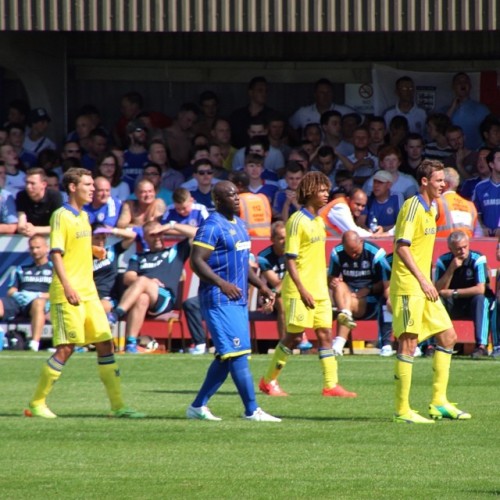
[
  {"x": 88, "y": 416},
  {"x": 186, "y": 391},
  {"x": 336, "y": 418},
  {"x": 483, "y": 492}
]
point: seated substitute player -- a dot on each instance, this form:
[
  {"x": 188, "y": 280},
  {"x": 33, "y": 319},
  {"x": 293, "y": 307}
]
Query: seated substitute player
[
  {"x": 305, "y": 289},
  {"x": 105, "y": 263},
  {"x": 359, "y": 278},
  {"x": 152, "y": 278},
  {"x": 461, "y": 279},
  {"x": 76, "y": 313},
  {"x": 221, "y": 258},
  {"x": 271, "y": 262},
  {"x": 417, "y": 311},
  {"x": 28, "y": 290}
]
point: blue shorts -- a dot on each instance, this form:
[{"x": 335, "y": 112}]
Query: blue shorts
[
  {"x": 228, "y": 327},
  {"x": 164, "y": 303},
  {"x": 11, "y": 309}
]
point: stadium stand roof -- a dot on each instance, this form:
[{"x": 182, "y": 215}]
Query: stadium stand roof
[{"x": 249, "y": 16}]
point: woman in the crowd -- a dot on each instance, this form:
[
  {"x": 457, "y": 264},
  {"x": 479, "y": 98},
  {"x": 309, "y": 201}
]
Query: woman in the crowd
[{"x": 108, "y": 166}]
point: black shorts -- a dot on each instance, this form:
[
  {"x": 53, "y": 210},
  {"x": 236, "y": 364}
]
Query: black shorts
[{"x": 372, "y": 307}]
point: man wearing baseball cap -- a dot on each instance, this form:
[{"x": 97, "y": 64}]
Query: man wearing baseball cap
[
  {"x": 36, "y": 140},
  {"x": 382, "y": 206}
]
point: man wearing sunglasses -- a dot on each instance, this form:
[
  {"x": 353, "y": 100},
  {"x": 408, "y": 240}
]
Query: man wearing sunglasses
[{"x": 204, "y": 174}]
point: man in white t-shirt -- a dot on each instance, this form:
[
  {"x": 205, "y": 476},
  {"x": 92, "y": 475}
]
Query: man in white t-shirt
[
  {"x": 323, "y": 101},
  {"x": 36, "y": 140},
  {"x": 405, "y": 90}
]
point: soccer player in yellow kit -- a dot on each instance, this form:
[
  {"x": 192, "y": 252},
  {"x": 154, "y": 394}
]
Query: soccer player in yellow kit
[
  {"x": 306, "y": 299},
  {"x": 417, "y": 311},
  {"x": 76, "y": 313}
]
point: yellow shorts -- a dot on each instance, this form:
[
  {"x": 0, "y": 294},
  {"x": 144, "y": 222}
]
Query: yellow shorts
[
  {"x": 417, "y": 315},
  {"x": 83, "y": 324},
  {"x": 298, "y": 317}
]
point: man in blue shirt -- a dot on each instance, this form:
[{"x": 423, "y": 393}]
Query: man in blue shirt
[
  {"x": 203, "y": 173},
  {"x": 104, "y": 209},
  {"x": 465, "y": 112},
  {"x": 382, "y": 206},
  {"x": 487, "y": 196},
  {"x": 221, "y": 258},
  {"x": 136, "y": 156},
  {"x": 467, "y": 187}
]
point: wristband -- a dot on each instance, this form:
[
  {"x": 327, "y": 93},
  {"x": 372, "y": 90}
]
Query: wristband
[{"x": 172, "y": 223}]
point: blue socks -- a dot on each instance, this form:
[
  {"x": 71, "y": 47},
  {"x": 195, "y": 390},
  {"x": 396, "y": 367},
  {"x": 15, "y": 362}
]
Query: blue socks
[
  {"x": 216, "y": 375},
  {"x": 242, "y": 377}
]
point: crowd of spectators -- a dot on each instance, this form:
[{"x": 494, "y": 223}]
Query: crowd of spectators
[{"x": 150, "y": 167}]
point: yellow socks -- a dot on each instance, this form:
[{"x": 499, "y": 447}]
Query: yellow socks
[
  {"x": 329, "y": 367},
  {"x": 402, "y": 376},
  {"x": 110, "y": 376},
  {"x": 278, "y": 362},
  {"x": 51, "y": 372},
  {"x": 441, "y": 368}
]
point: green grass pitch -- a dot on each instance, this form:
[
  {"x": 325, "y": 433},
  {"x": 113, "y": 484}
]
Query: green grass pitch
[{"x": 324, "y": 448}]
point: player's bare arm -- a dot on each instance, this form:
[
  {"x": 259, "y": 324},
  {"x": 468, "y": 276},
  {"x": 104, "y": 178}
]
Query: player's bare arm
[
  {"x": 176, "y": 228},
  {"x": 267, "y": 294},
  {"x": 306, "y": 297},
  {"x": 70, "y": 294}
]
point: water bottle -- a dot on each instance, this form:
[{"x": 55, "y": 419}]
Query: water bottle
[
  {"x": 373, "y": 225},
  {"x": 2, "y": 339}
]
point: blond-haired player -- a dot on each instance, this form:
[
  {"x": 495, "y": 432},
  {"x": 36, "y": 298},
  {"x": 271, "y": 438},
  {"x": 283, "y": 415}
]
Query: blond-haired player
[{"x": 76, "y": 313}]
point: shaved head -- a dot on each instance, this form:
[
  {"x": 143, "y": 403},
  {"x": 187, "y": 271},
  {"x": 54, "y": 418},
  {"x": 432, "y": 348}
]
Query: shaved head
[
  {"x": 226, "y": 199},
  {"x": 221, "y": 188},
  {"x": 351, "y": 237},
  {"x": 353, "y": 244}
]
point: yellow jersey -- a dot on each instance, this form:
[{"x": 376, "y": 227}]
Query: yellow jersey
[
  {"x": 305, "y": 241},
  {"x": 415, "y": 225},
  {"x": 71, "y": 235}
]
